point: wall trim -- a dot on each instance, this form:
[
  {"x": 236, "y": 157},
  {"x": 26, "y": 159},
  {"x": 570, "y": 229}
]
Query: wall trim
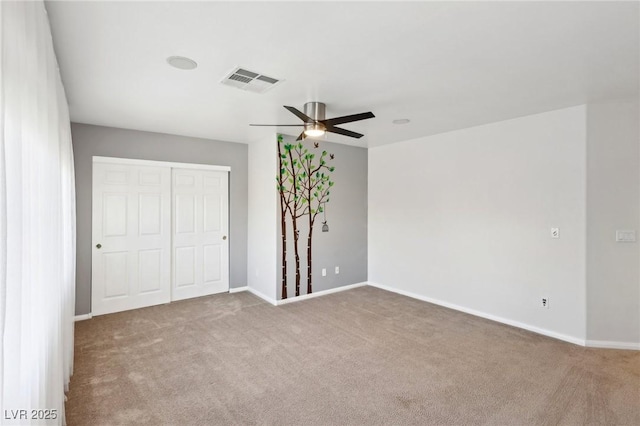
[
  {"x": 137, "y": 162},
  {"x": 82, "y": 317},
  {"x": 544, "y": 332},
  {"x": 320, "y": 293},
  {"x": 238, "y": 289},
  {"x": 262, "y": 296},
  {"x": 635, "y": 346}
]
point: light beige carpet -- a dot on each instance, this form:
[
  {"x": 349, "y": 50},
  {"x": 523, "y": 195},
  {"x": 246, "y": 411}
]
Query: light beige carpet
[{"x": 361, "y": 357}]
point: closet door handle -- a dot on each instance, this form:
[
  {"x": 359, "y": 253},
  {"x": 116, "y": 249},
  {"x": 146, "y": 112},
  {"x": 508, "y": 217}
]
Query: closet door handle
[
  {"x": 98, "y": 246},
  {"x": 224, "y": 237}
]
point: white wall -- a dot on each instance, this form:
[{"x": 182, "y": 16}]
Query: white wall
[
  {"x": 464, "y": 218},
  {"x": 262, "y": 218},
  {"x": 613, "y": 202}
]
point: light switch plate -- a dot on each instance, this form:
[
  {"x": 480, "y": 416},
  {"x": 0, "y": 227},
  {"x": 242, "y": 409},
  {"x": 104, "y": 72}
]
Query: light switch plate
[
  {"x": 555, "y": 232},
  {"x": 625, "y": 236}
]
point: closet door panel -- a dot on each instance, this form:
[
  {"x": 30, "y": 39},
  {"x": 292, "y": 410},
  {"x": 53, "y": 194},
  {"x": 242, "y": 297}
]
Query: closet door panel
[
  {"x": 200, "y": 228},
  {"x": 131, "y": 237}
]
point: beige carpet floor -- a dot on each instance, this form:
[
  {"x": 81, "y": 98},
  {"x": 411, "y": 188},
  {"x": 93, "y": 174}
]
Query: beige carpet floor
[{"x": 359, "y": 357}]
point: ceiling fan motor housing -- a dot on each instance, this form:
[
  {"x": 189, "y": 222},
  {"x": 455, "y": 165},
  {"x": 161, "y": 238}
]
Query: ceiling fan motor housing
[{"x": 315, "y": 111}]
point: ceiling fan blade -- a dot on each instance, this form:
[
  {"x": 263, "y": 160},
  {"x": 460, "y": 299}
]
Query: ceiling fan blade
[
  {"x": 301, "y": 137},
  {"x": 348, "y": 118},
  {"x": 302, "y": 116},
  {"x": 278, "y": 125},
  {"x": 344, "y": 132}
]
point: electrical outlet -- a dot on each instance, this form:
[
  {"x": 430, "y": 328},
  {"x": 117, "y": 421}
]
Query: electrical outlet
[
  {"x": 337, "y": 269},
  {"x": 544, "y": 302},
  {"x": 324, "y": 272},
  {"x": 555, "y": 232}
]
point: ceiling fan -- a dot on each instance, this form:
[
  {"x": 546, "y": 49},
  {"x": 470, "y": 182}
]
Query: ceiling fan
[{"x": 315, "y": 124}]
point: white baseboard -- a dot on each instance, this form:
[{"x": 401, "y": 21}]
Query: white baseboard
[
  {"x": 613, "y": 345},
  {"x": 262, "y": 296},
  {"x": 318, "y": 294},
  {"x": 82, "y": 317},
  {"x": 544, "y": 332},
  {"x": 588, "y": 343}
]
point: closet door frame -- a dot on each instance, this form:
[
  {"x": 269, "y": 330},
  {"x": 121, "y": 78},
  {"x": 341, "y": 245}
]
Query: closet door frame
[{"x": 170, "y": 165}]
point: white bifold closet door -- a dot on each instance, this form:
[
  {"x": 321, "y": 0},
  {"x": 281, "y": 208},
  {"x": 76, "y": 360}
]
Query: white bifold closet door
[
  {"x": 159, "y": 234},
  {"x": 131, "y": 262},
  {"x": 200, "y": 229}
]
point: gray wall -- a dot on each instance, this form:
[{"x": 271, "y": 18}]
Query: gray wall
[
  {"x": 613, "y": 190},
  {"x": 345, "y": 245},
  {"x": 89, "y": 141}
]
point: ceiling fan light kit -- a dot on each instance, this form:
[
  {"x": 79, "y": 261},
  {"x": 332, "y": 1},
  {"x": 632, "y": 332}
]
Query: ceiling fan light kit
[
  {"x": 315, "y": 124},
  {"x": 314, "y": 130}
]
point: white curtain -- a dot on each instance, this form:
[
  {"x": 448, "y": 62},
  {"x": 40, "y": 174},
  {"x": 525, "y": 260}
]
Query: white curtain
[{"x": 37, "y": 221}]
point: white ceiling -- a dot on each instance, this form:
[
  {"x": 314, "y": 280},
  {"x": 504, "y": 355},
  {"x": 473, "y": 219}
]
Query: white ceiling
[{"x": 444, "y": 65}]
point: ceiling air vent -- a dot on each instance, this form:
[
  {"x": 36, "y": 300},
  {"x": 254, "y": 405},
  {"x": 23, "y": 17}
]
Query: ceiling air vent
[{"x": 249, "y": 80}]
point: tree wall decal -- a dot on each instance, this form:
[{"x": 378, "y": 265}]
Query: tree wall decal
[
  {"x": 283, "y": 213},
  {"x": 304, "y": 185},
  {"x": 315, "y": 192},
  {"x": 291, "y": 188}
]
